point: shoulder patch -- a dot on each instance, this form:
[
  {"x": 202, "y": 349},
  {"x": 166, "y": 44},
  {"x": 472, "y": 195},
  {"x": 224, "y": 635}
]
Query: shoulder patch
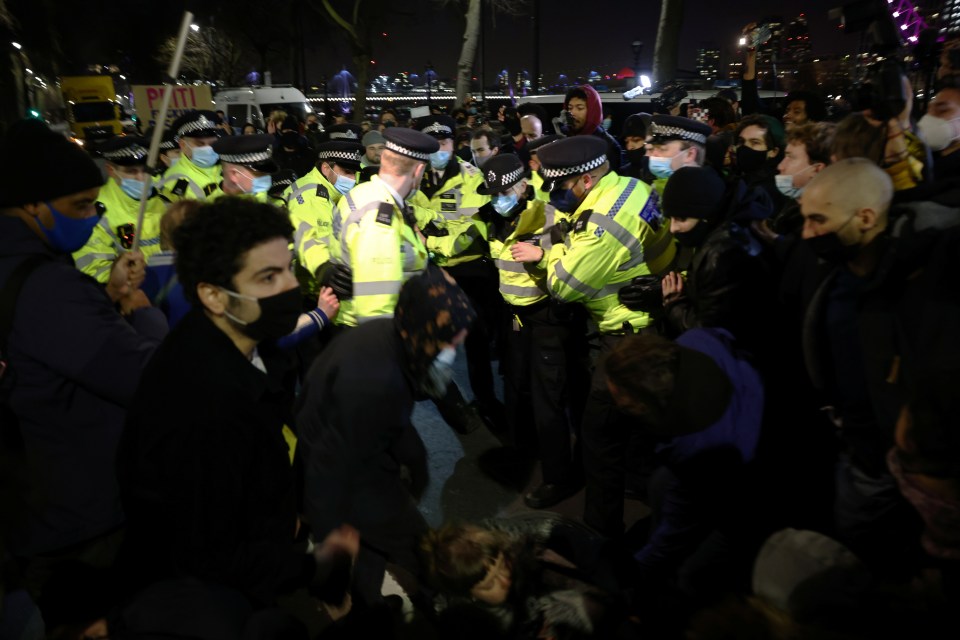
[
  {"x": 651, "y": 212},
  {"x": 179, "y": 188},
  {"x": 210, "y": 188},
  {"x": 582, "y": 220},
  {"x": 101, "y": 208},
  {"x": 322, "y": 192},
  {"x": 385, "y": 213}
]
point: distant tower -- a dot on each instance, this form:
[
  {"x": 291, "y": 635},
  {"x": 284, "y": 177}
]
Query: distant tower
[
  {"x": 796, "y": 42},
  {"x": 708, "y": 62},
  {"x": 950, "y": 18}
]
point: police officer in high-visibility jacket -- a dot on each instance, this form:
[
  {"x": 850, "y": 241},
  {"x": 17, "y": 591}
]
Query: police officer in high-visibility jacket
[
  {"x": 449, "y": 187},
  {"x": 312, "y": 201},
  {"x": 617, "y": 233},
  {"x": 119, "y": 201},
  {"x": 379, "y": 236},
  {"x": 544, "y": 362},
  {"x": 246, "y": 163},
  {"x": 535, "y": 180},
  {"x": 198, "y": 173}
]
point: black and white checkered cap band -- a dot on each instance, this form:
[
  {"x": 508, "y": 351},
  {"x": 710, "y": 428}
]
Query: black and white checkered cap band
[
  {"x": 436, "y": 127},
  {"x": 505, "y": 179},
  {"x": 559, "y": 172},
  {"x": 404, "y": 151},
  {"x": 133, "y": 152},
  {"x": 196, "y": 125},
  {"x": 346, "y": 156},
  {"x": 343, "y": 135},
  {"x": 666, "y": 131},
  {"x": 247, "y": 158},
  {"x": 168, "y": 144}
]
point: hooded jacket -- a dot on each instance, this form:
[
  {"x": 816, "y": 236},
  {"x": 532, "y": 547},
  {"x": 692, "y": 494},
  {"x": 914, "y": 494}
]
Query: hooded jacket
[{"x": 592, "y": 127}]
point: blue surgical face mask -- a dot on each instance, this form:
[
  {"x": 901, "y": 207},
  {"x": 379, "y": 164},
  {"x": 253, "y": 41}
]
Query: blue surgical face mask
[
  {"x": 606, "y": 123},
  {"x": 68, "y": 234},
  {"x": 131, "y": 187},
  {"x": 564, "y": 200},
  {"x": 785, "y": 183},
  {"x": 204, "y": 157},
  {"x": 505, "y": 202},
  {"x": 344, "y": 184},
  {"x": 439, "y": 159},
  {"x": 260, "y": 184},
  {"x": 662, "y": 167}
]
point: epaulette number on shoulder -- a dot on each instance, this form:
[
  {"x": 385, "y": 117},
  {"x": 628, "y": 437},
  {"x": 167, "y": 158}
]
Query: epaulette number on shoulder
[
  {"x": 582, "y": 220},
  {"x": 322, "y": 192},
  {"x": 180, "y": 188},
  {"x": 385, "y": 213}
]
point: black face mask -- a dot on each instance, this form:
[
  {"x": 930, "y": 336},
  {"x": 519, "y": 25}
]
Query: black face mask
[
  {"x": 829, "y": 248},
  {"x": 278, "y": 315},
  {"x": 639, "y": 160},
  {"x": 290, "y": 139},
  {"x": 696, "y": 236},
  {"x": 750, "y": 160}
]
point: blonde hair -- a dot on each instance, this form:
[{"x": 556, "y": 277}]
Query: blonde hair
[{"x": 458, "y": 556}]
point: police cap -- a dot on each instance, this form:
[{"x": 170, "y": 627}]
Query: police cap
[
  {"x": 280, "y": 181},
  {"x": 535, "y": 145},
  {"x": 570, "y": 157},
  {"x": 501, "y": 172},
  {"x": 197, "y": 124},
  {"x": 345, "y": 153},
  {"x": 344, "y": 131},
  {"x": 410, "y": 143},
  {"x": 125, "y": 150},
  {"x": 440, "y": 127},
  {"x": 253, "y": 151},
  {"x": 666, "y": 128}
]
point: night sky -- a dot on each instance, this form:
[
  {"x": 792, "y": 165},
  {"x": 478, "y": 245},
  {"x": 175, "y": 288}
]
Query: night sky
[{"x": 580, "y": 35}]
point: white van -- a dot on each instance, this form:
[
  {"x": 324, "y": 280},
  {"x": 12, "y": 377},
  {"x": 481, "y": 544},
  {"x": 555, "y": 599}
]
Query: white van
[{"x": 255, "y": 104}]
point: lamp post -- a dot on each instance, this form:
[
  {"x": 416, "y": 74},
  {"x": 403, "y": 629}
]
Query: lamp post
[{"x": 637, "y": 46}]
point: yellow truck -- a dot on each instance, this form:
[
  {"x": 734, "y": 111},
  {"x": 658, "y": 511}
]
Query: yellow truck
[{"x": 91, "y": 106}]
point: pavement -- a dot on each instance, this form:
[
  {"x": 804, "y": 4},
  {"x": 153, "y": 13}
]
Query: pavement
[{"x": 459, "y": 490}]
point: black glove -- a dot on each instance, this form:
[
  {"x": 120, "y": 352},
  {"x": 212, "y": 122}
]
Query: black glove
[
  {"x": 432, "y": 230},
  {"x": 338, "y": 277},
  {"x": 644, "y": 293}
]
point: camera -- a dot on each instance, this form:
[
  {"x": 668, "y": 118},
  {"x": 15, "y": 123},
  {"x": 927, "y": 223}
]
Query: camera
[
  {"x": 882, "y": 92},
  {"x": 758, "y": 35},
  {"x": 671, "y": 94},
  {"x": 563, "y": 123}
]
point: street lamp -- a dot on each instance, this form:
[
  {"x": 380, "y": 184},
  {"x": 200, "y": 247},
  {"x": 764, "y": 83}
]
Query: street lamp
[
  {"x": 637, "y": 46},
  {"x": 195, "y": 28}
]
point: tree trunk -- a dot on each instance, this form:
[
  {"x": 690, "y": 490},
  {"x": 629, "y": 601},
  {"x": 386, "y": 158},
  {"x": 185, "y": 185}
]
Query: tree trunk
[
  {"x": 468, "y": 52},
  {"x": 667, "y": 49},
  {"x": 361, "y": 59}
]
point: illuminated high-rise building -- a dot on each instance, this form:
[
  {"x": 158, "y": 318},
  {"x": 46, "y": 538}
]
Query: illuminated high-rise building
[{"x": 708, "y": 62}]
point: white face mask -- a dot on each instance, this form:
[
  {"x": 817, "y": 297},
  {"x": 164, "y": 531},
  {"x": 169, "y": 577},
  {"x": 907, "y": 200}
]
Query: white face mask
[
  {"x": 784, "y": 183},
  {"x": 937, "y": 132}
]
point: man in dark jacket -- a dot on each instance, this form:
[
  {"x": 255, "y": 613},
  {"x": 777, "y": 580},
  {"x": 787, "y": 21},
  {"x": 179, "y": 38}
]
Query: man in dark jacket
[
  {"x": 205, "y": 463},
  {"x": 354, "y": 416},
  {"x": 584, "y": 109},
  {"x": 888, "y": 307},
  {"x": 73, "y": 361}
]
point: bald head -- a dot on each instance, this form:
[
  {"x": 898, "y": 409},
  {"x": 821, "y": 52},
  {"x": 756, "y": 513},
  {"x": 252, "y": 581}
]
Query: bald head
[
  {"x": 848, "y": 197},
  {"x": 531, "y": 127}
]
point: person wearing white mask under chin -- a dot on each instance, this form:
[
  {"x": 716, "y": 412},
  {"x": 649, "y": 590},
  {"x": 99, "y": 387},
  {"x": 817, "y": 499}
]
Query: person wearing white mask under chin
[
  {"x": 247, "y": 162},
  {"x": 674, "y": 142},
  {"x": 940, "y": 129}
]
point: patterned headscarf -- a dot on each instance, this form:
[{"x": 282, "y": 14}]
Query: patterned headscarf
[{"x": 431, "y": 311}]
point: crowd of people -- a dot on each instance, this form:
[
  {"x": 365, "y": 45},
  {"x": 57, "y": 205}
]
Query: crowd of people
[{"x": 747, "y": 319}]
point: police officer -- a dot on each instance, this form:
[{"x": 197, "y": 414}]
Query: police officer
[
  {"x": 198, "y": 172},
  {"x": 535, "y": 180},
  {"x": 450, "y": 189},
  {"x": 312, "y": 200},
  {"x": 346, "y": 131},
  {"x": 546, "y": 341},
  {"x": 246, "y": 163},
  {"x": 119, "y": 200},
  {"x": 379, "y": 235},
  {"x": 617, "y": 233},
  {"x": 675, "y": 142}
]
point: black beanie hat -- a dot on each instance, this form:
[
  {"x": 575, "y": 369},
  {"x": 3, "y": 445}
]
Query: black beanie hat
[
  {"x": 694, "y": 192},
  {"x": 39, "y": 165}
]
